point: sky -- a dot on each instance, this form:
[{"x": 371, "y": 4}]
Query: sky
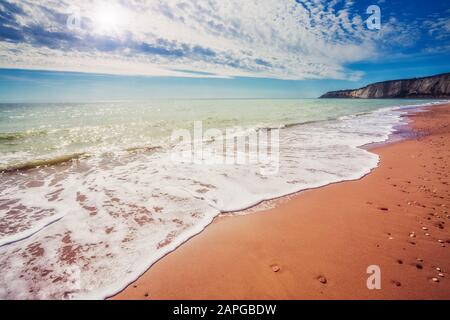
[{"x": 89, "y": 50}]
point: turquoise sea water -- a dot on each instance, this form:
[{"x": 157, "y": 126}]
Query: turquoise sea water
[{"x": 30, "y": 132}]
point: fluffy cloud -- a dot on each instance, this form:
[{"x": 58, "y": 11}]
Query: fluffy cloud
[{"x": 210, "y": 38}]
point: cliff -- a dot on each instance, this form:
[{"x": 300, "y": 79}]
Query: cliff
[{"x": 437, "y": 86}]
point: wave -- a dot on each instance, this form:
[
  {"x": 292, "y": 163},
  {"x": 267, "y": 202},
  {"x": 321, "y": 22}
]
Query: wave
[
  {"x": 13, "y": 136},
  {"x": 144, "y": 149},
  {"x": 60, "y": 159},
  {"x": 40, "y": 225},
  {"x": 42, "y": 162}
]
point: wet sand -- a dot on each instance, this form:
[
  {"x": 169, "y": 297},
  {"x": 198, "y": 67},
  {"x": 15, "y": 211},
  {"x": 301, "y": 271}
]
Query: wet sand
[{"x": 319, "y": 244}]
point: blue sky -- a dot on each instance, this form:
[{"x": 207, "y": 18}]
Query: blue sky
[{"x": 132, "y": 49}]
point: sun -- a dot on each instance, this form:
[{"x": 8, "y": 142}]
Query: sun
[{"x": 109, "y": 18}]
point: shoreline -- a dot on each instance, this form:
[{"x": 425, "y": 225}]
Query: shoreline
[{"x": 162, "y": 280}]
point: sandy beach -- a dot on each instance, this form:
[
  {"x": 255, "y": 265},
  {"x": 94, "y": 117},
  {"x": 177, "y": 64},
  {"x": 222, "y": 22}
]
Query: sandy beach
[{"x": 318, "y": 244}]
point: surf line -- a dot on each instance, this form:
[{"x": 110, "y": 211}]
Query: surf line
[{"x": 27, "y": 234}]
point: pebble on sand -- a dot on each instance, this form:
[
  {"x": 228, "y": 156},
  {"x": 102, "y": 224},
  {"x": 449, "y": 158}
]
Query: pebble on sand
[
  {"x": 322, "y": 279},
  {"x": 275, "y": 268},
  {"x": 435, "y": 280},
  {"x": 424, "y": 228},
  {"x": 441, "y": 275}
]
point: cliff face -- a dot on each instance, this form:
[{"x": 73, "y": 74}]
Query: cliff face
[{"x": 437, "y": 86}]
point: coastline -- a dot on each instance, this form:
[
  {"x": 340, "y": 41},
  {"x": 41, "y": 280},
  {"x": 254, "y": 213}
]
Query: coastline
[{"x": 322, "y": 248}]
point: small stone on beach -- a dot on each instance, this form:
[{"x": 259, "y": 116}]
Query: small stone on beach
[
  {"x": 435, "y": 280},
  {"x": 397, "y": 283},
  {"x": 275, "y": 268},
  {"x": 322, "y": 280}
]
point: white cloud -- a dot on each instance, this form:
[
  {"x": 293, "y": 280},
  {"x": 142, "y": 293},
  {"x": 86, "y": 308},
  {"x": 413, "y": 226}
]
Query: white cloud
[
  {"x": 261, "y": 38},
  {"x": 439, "y": 28}
]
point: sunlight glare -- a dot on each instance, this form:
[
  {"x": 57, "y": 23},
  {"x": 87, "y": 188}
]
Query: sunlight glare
[{"x": 109, "y": 18}]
